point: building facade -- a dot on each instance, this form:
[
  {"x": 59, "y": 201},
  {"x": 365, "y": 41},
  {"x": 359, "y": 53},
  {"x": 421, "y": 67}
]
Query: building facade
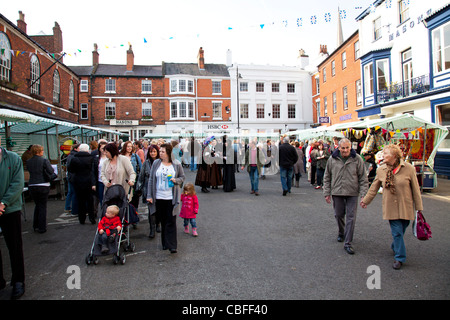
[{"x": 33, "y": 78}]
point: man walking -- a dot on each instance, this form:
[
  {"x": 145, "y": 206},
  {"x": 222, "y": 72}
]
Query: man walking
[
  {"x": 287, "y": 158},
  {"x": 11, "y": 176},
  {"x": 345, "y": 179}
]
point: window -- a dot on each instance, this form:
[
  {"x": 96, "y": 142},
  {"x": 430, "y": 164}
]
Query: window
[
  {"x": 377, "y": 29},
  {"x": 84, "y": 86},
  {"x": 317, "y": 86},
  {"x": 382, "y": 75},
  {"x": 276, "y": 111},
  {"x": 110, "y": 110},
  {"x": 84, "y": 111},
  {"x": 217, "y": 110},
  {"x": 146, "y": 109},
  {"x": 325, "y": 106},
  {"x": 181, "y": 110},
  {"x": 291, "y": 111},
  {"x": 291, "y": 87},
  {"x": 35, "y": 68},
  {"x": 260, "y": 87},
  {"x": 5, "y": 58},
  {"x": 344, "y": 60},
  {"x": 217, "y": 87},
  {"x": 146, "y": 86},
  {"x": 368, "y": 79},
  {"x": 407, "y": 71},
  {"x": 324, "y": 72},
  {"x": 275, "y": 87},
  {"x": 110, "y": 85},
  {"x": 260, "y": 111},
  {"x": 333, "y": 68},
  {"x": 403, "y": 9},
  {"x": 334, "y": 102},
  {"x": 243, "y": 86},
  {"x": 318, "y": 108},
  {"x": 441, "y": 48},
  {"x": 358, "y": 92},
  {"x": 56, "y": 87},
  {"x": 243, "y": 111},
  {"x": 181, "y": 86},
  {"x": 344, "y": 94},
  {"x": 357, "y": 51},
  {"x": 71, "y": 95}
]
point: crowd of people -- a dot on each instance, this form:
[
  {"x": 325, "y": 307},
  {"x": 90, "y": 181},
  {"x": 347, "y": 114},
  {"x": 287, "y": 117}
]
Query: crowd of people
[{"x": 152, "y": 173}]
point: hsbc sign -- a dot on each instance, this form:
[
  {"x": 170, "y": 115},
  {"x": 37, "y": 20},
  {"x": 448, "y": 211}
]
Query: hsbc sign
[{"x": 217, "y": 126}]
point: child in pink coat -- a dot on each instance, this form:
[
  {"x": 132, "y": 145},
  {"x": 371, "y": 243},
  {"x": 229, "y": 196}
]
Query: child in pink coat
[{"x": 189, "y": 208}]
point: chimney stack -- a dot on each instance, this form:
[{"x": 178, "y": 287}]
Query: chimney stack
[
  {"x": 95, "y": 56},
  {"x": 201, "y": 59},
  {"x": 21, "y": 22},
  {"x": 323, "y": 49},
  {"x": 57, "y": 39},
  {"x": 130, "y": 59},
  {"x": 303, "y": 59}
]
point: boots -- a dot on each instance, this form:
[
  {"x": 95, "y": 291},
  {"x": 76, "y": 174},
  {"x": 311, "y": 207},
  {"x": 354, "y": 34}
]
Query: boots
[
  {"x": 297, "y": 185},
  {"x": 186, "y": 229},
  {"x": 194, "y": 232},
  {"x": 152, "y": 227}
]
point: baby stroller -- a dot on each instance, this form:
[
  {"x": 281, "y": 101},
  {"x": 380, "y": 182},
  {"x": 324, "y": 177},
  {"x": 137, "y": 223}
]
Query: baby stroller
[{"x": 115, "y": 195}]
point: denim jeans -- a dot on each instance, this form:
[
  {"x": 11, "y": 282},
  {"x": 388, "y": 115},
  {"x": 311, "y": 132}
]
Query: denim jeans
[
  {"x": 193, "y": 164},
  {"x": 254, "y": 178},
  {"x": 71, "y": 199},
  {"x": 398, "y": 228},
  {"x": 286, "y": 178},
  {"x": 192, "y": 221}
]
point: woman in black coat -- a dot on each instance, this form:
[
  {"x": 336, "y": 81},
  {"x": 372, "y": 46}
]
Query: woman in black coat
[
  {"x": 82, "y": 172},
  {"x": 41, "y": 173}
]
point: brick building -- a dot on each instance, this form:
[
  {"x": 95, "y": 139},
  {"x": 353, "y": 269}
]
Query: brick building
[
  {"x": 33, "y": 78},
  {"x": 339, "y": 82}
]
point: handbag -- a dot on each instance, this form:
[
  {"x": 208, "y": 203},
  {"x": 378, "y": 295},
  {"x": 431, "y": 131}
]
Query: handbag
[
  {"x": 421, "y": 229},
  {"x": 47, "y": 176}
]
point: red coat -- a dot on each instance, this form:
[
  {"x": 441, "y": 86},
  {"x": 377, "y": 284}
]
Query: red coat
[
  {"x": 109, "y": 224},
  {"x": 189, "y": 206}
]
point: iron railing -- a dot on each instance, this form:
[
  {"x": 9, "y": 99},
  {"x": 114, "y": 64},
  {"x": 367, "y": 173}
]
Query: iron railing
[{"x": 404, "y": 89}]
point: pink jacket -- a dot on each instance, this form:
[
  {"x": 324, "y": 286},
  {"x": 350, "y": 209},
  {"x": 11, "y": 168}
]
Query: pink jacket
[{"x": 189, "y": 207}]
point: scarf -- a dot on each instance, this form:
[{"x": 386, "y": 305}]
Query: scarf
[{"x": 390, "y": 176}]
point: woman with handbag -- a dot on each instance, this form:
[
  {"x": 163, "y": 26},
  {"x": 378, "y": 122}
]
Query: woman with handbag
[
  {"x": 401, "y": 196},
  {"x": 41, "y": 174},
  {"x": 129, "y": 152}
]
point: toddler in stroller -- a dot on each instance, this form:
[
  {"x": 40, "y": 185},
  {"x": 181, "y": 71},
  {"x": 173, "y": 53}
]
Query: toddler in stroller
[{"x": 109, "y": 227}]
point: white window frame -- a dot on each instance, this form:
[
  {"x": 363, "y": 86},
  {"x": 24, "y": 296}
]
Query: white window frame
[
  {"x": 438, "y": 49},
  {"x": 368, "y": 79},
  {"x": 146, "y": 86},
  {"x": 84, "y": 108},
  {"x": 376, "y": 25},
  {"x": 359, "y": 96},
  {"x": 344, "y": 60},
  {"x": 345, "y": 97},
  {"x": 84, "y": 85},
  {"x": 146, "y": 109},
  {"x": 182, "y": 110},
  {"x": 110, "y": 85},
  {"x": 334, "y": 102},
  {"x": 291, "y": 110},
  {"x": 35, "y": 68},
  {"x": 260, "y": 111},
  {"x": 217, "y": 110},
  {"x": 260, "y": 87},
  {"x": 333, "y": 68},
  {"x": 71, "y": 95},
  {"x": 181, "y": 85},
  {"x": 275, "y": 87},
  {"x": 357, "y": 50},
  {"x": 56, "y": 87},
  {"x": 5, "y": 58},
  {"x": 217, "y": 87},
  {"x": 110, "y": 110},
  {"x": 243, "y": 86},
  {"x": 403, "y": 10},
  {"x": 291, "y": 87},
  {"x": 386, "y": 77},
  {"x": 325, "y": 106},
  {"x": 243, "y": 111}
]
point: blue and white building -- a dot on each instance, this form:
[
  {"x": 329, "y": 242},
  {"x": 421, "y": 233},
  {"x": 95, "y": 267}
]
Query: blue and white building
[{"x": 405, "y": 63}]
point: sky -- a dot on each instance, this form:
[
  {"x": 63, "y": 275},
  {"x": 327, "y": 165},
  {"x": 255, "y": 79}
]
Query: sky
[{"x": 256, "y": 31}]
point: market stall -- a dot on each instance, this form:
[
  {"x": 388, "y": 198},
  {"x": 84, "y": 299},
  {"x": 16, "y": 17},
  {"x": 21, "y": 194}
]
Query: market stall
[
  {"x": 321, "y": 132},
  {"x": 418, "y": 138}
]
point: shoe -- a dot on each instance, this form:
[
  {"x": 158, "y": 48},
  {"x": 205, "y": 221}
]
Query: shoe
[
  {"x": 158, "y": 228},
  {"x": 340, "y": 239},
  {"x": 256, "y": 193},
  {"x": 18, "y": 290},
  {"x": 173, "y": 250},
  {"x": 194, "y": 232},
  {"x": 397, "y": 265},
  {"x": 285, "y": 192},
  {"x": 317, "y": 187},
  {"x": 252, "y": 192},
  {"x": 349, "y": 250},
  {"x": 104, "y": 249},
  {"x": 186, "y": 229}
]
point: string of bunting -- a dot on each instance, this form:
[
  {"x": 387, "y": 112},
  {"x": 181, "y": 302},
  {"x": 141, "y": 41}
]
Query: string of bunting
[{"x": 360, "y": 133}]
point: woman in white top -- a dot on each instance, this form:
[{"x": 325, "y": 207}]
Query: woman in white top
[{"x": 163, "y": 194}]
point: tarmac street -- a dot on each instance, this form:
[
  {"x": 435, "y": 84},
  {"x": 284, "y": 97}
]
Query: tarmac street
[{"x": 266, "y": 247}]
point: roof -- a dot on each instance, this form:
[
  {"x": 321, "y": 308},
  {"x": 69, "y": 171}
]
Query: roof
[
  {"x": 211, "y": 70},
  {"x": 114, "y": 70}
]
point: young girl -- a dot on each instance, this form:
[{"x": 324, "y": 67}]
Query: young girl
[
  {"x": 189, "y": 208},
  {"x": 109, "y": 226}
]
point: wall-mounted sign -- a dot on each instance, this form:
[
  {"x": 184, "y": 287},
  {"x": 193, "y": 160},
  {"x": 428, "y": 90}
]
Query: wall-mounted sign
[
  {"x": 117, "y": 122},
  {"x": 324, "y": 119}
]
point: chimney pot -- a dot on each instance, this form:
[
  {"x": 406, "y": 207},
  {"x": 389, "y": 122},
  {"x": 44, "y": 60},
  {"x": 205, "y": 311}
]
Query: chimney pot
[
  {"x": 201, "y": 59},
  {"x": 21, "y": 24}
]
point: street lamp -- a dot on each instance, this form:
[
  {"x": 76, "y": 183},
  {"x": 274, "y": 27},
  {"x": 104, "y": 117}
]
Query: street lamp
[{"x": 238, "y": 76}]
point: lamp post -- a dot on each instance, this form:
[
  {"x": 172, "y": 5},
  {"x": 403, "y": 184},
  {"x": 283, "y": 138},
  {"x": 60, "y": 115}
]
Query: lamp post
[{"x": 237, "y": 96}]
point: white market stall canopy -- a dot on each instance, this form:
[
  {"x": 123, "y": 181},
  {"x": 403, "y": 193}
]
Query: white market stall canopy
[
  {"x": 317, "y": 133},
  {"x": 21, "y": 122}
]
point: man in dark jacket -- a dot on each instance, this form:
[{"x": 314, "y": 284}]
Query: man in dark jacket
[
  {"x": 11, "y": 187},
  {"x": 287, "y": 158},
  {"x": 81, "y": 167}
]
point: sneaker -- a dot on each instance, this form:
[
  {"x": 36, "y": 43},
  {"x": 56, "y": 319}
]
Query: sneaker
[
  {"x": 194, "y": 232},
  {"x": 186, "y": 229},
  {"x": 318, "y": 187}
]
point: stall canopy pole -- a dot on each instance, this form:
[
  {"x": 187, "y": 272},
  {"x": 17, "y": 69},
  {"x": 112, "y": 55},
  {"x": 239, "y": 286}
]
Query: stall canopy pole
[{"x": 423, "y": 156}]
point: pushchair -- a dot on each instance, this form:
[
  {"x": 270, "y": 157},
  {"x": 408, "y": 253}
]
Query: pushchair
[{"x": 115, "y": 195}]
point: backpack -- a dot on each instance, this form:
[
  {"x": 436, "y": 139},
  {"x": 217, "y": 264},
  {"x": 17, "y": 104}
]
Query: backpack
[{"x": 421, "y": 229}]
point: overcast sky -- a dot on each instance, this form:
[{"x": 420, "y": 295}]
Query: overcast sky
[{"x": 256, "y": 31}]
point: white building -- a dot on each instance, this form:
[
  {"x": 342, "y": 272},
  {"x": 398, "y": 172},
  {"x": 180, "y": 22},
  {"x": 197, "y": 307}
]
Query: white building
[
  {"x": 271, "y": 99},
  {"x": 405, "y": 60}
]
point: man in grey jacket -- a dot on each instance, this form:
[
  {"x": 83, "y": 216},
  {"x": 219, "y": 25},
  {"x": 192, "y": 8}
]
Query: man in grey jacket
[{"x": 345, "y": 179}]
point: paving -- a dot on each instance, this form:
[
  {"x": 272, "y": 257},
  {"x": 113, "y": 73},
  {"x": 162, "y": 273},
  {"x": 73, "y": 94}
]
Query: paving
[{"x": 265, "y": 247}]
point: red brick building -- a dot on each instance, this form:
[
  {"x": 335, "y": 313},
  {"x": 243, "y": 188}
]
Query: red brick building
[
  {"x": 340, "y": 83},
  {"x": 33, "y": 78}
]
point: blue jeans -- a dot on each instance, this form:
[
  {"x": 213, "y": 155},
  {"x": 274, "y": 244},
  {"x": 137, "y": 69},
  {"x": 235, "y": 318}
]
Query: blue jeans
[
  {"x": 286, "y": 178},
  {"x": 254, "y": 178},
  {"x": 71, "y": 199},
  {"x": 398, "y": 228},
  {"x": 192, "y": 221},
  {"x": 193, "y": 165}
]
